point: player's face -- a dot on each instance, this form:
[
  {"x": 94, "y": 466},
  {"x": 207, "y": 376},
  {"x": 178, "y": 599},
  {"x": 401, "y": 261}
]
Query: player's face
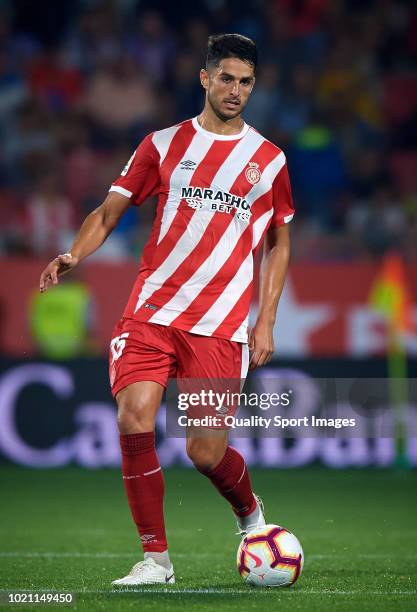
[{"x": 228, "y": 87}]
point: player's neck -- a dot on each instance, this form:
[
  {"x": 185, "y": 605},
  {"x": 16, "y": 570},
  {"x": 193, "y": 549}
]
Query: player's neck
[{"x": 209, "y": 121}]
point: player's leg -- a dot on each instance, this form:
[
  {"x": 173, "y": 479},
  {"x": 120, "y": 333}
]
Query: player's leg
[
  {"x": 143, "y": 354},
  {"x": 138, "y": 404},
  {"x": 225, "y": 363},
  {"x": 225, "y": 467}
]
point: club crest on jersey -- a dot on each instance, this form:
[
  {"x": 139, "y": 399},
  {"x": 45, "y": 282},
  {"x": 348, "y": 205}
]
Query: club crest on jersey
[{"x": 252, "y": 173}]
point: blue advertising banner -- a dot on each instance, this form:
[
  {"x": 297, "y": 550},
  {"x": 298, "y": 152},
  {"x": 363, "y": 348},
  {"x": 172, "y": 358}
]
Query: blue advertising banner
[{"x": 55, "y": 414}]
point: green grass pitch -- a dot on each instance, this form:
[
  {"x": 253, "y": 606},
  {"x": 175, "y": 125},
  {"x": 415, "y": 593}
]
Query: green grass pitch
[{"x": 70, "y": 530}]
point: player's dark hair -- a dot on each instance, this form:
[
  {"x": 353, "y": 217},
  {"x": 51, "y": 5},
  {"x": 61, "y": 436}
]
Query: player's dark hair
[{"x": 222, "y": 46}]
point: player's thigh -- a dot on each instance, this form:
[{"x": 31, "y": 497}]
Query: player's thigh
[
  {"x": 140, "y": 352},
  {"x": 137, "y": 406},
  {"x": 141, "y": 359},
  {"x": 210, "y": 357},
  {"x": 214, "y": 369}
]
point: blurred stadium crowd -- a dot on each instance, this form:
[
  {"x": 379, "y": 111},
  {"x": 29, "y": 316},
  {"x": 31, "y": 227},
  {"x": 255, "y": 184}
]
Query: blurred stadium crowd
[{"x": 81, "y": 82}]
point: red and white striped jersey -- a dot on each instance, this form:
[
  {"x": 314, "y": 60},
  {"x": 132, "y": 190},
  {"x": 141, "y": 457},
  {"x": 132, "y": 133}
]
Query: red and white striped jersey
[{"x": 217, "y": 197}]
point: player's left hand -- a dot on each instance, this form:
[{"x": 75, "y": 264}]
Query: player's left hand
[{"x": 261, "y": 344}]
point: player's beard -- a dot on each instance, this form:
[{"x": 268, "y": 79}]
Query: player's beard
[{"x": 217, "y": 111}]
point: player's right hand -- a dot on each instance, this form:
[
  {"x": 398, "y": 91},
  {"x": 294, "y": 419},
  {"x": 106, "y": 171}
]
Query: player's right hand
[{"x": 58, "y": 266}]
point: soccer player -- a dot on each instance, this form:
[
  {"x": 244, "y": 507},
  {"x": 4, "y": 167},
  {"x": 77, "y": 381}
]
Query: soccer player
[{"x": 223, "y": 193}]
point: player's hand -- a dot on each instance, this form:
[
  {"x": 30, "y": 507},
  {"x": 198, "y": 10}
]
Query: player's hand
[
  {"x": 261, "y": 344},
  {"x": 58, "y": 266}
]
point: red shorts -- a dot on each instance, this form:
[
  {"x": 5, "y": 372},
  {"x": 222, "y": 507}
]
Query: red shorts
[{"x": 148, "y": 351}]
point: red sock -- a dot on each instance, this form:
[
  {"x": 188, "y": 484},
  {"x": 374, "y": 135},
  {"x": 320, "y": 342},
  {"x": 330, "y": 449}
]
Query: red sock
[
  {"x": 231, "y": 479},
  {"x": 144, "y": 484}
]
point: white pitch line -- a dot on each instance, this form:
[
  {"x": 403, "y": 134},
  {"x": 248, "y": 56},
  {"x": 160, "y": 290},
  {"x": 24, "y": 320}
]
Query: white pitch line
[
  {"x": 109, "y": 555},
  {"x": 95, "y": 532},
  {"x": 255, "y": 591},
  {"x": 248, "y": 591},
  {"x": 97, "y": 555},
  {"x": 65, "y": 555}
]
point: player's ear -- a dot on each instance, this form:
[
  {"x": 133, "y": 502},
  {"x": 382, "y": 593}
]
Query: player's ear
[{"x": 204, "y": 78}]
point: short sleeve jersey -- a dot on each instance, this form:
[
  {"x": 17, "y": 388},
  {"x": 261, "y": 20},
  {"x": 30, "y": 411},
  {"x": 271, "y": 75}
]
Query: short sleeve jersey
[{"x": 217, "y": 196}]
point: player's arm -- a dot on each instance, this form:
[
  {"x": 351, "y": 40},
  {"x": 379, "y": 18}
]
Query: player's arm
[
  {"x": 93, "y": 232},
  {"x": 138, "y": 180},
  {"x": 272, "y": 277},
  {"x": 273, "y": 268}
]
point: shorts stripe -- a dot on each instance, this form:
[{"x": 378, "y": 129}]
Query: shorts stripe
[{"x": 245, "y": 361}]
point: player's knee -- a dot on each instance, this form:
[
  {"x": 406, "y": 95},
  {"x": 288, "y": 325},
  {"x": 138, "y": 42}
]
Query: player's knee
[
  {"x": 204, "y": 454},
  {"x": 134, "y": 416}
]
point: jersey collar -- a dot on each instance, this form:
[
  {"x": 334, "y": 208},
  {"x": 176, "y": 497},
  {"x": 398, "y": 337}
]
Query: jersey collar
[{"x": 215, "y": 136}]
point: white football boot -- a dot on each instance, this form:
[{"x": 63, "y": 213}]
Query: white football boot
[
  {"x": 254, "y": 520},
  {"x": 146, "y": 572}
]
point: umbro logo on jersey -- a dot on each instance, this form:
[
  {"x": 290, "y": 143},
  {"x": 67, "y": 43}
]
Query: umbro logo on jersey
[{"x": 187, "y": 164}]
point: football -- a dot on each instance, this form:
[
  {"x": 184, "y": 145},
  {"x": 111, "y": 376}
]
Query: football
[{"x": 270, "y": 556}]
